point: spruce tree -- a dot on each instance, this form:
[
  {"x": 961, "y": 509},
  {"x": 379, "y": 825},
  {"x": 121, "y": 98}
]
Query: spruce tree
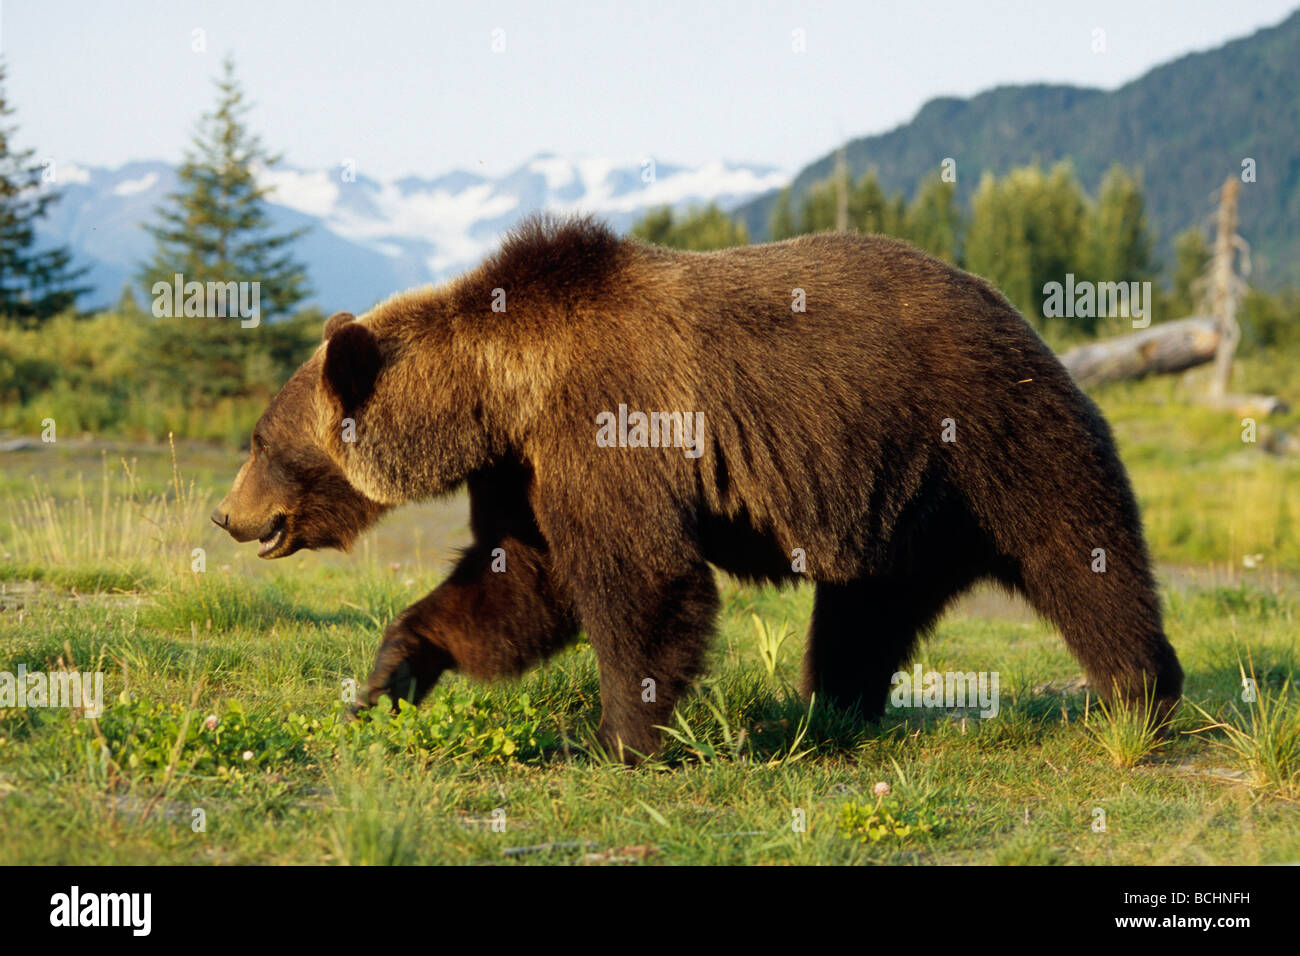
[
  {"x": 871, "y": 211},
  {"x": 1028, "y": 229},
  {"x": 817, "y": 207},
  {"x": 934, "y": 220},
  {"x": 217, "y": 227},
  {"x": 782, "y": 224},
  {"x": 1119, "y": 239},
  {"x": 1191, "y": 257},
  {"x": 656, "y": 226},
  {"x": 699, "y": 229},
  {"x": 34, "y": 284}
]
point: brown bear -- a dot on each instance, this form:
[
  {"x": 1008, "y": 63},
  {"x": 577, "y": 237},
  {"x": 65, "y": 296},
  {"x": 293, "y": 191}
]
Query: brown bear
[{"x": 838, "y": 408}]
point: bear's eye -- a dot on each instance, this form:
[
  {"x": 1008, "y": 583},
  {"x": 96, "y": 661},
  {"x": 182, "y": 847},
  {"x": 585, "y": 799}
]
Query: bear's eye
[{"x": 260, "y": 446}]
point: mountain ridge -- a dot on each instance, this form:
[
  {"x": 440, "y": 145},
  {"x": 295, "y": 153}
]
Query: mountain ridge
[
  {"x": 1186, "y": 124},
  {"x": 368, "y": 237}
]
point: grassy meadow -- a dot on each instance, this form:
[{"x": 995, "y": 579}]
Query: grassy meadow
[{"x": 222, "y": 738}]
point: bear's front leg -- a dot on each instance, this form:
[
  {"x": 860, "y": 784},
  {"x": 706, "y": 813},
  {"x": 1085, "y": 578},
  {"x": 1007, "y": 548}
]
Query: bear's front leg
[
  {"x": 498, "y": 612},
  {"x": 650, "y": 643},
  {"x": 410, "y": 659}
]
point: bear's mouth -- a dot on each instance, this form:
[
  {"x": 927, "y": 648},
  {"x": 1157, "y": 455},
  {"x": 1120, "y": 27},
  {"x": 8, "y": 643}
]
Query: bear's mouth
[{"x": 272, "y": 540}]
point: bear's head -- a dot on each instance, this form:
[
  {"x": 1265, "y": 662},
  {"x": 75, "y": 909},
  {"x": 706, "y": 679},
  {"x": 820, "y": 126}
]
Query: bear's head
[
  {"x": 291, "y": 493},
  {"x": 428, "y": 387},
  {"x": 391, "y": 408}
]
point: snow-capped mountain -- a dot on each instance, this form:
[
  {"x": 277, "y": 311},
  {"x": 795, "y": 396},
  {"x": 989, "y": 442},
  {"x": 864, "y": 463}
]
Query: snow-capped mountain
[{"x": 369, "y": 238}]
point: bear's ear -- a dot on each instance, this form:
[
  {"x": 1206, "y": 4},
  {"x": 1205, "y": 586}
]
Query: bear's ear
[
  {"x": 351, "y": 365},
  {"x": 336, "y": 322}
]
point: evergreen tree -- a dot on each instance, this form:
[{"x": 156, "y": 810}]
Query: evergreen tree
[
  {"x": 656, "y": 226},
  {"x": 698, "y": 230},
  {"x": 217, "y": 228},
  {"x": 1027, "y": 229},
  {"x": 34, "y": 285},
  {"x": 1119, "y": 240},
  {"x": 783, "y": 225},
  {"x": 871, "y": 211},
  {"x": 817, "y": 209},
  {"x": 934, "y": 220},
  {"x": 1191, "y": 256}
]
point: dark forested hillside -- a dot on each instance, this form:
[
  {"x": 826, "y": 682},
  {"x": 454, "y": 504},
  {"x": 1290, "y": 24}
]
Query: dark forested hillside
[{"x": 1186, "y": 125}]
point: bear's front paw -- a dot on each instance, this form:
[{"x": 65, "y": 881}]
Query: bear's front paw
[
  {"x": 406, "y": 668},
  {"x": 401, "y": 683}
]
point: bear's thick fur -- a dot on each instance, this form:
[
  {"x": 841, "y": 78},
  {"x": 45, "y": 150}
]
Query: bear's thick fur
[{"x": 902, "y": 435}]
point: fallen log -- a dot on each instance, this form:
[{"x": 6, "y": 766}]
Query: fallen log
[
  {"x": 1161, "y": 349},
  {"x": 1249, "y": 406}
]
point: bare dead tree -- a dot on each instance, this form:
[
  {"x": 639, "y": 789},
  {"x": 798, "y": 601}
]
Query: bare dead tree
[
  {"x": 1224, "y": 287},
  {"x": 1172, "y": 347},
  {"x": 841, "y": 191}
]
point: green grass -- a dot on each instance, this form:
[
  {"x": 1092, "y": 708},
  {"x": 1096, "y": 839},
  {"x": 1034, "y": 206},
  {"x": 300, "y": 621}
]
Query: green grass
[
  {"x": 282, "y": 777},
  {"x": 1128, "y": 731},
  {"x": 1264, "y": 736},
  {"x": 1207, "y": 496},
  {"x": 224, "y": 738}
]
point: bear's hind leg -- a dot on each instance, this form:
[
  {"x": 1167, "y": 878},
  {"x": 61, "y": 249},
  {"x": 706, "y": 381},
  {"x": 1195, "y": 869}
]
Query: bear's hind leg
[
  {"x": 1110, "y": 619},
  {"x": 862, "y": 632}
]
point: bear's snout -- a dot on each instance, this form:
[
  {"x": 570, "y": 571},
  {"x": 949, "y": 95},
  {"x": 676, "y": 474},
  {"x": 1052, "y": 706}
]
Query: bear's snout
[{"x": 231, "y": 518}]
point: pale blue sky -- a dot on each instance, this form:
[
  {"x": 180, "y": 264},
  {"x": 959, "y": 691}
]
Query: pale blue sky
[{"x": 408, "y": 87}]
